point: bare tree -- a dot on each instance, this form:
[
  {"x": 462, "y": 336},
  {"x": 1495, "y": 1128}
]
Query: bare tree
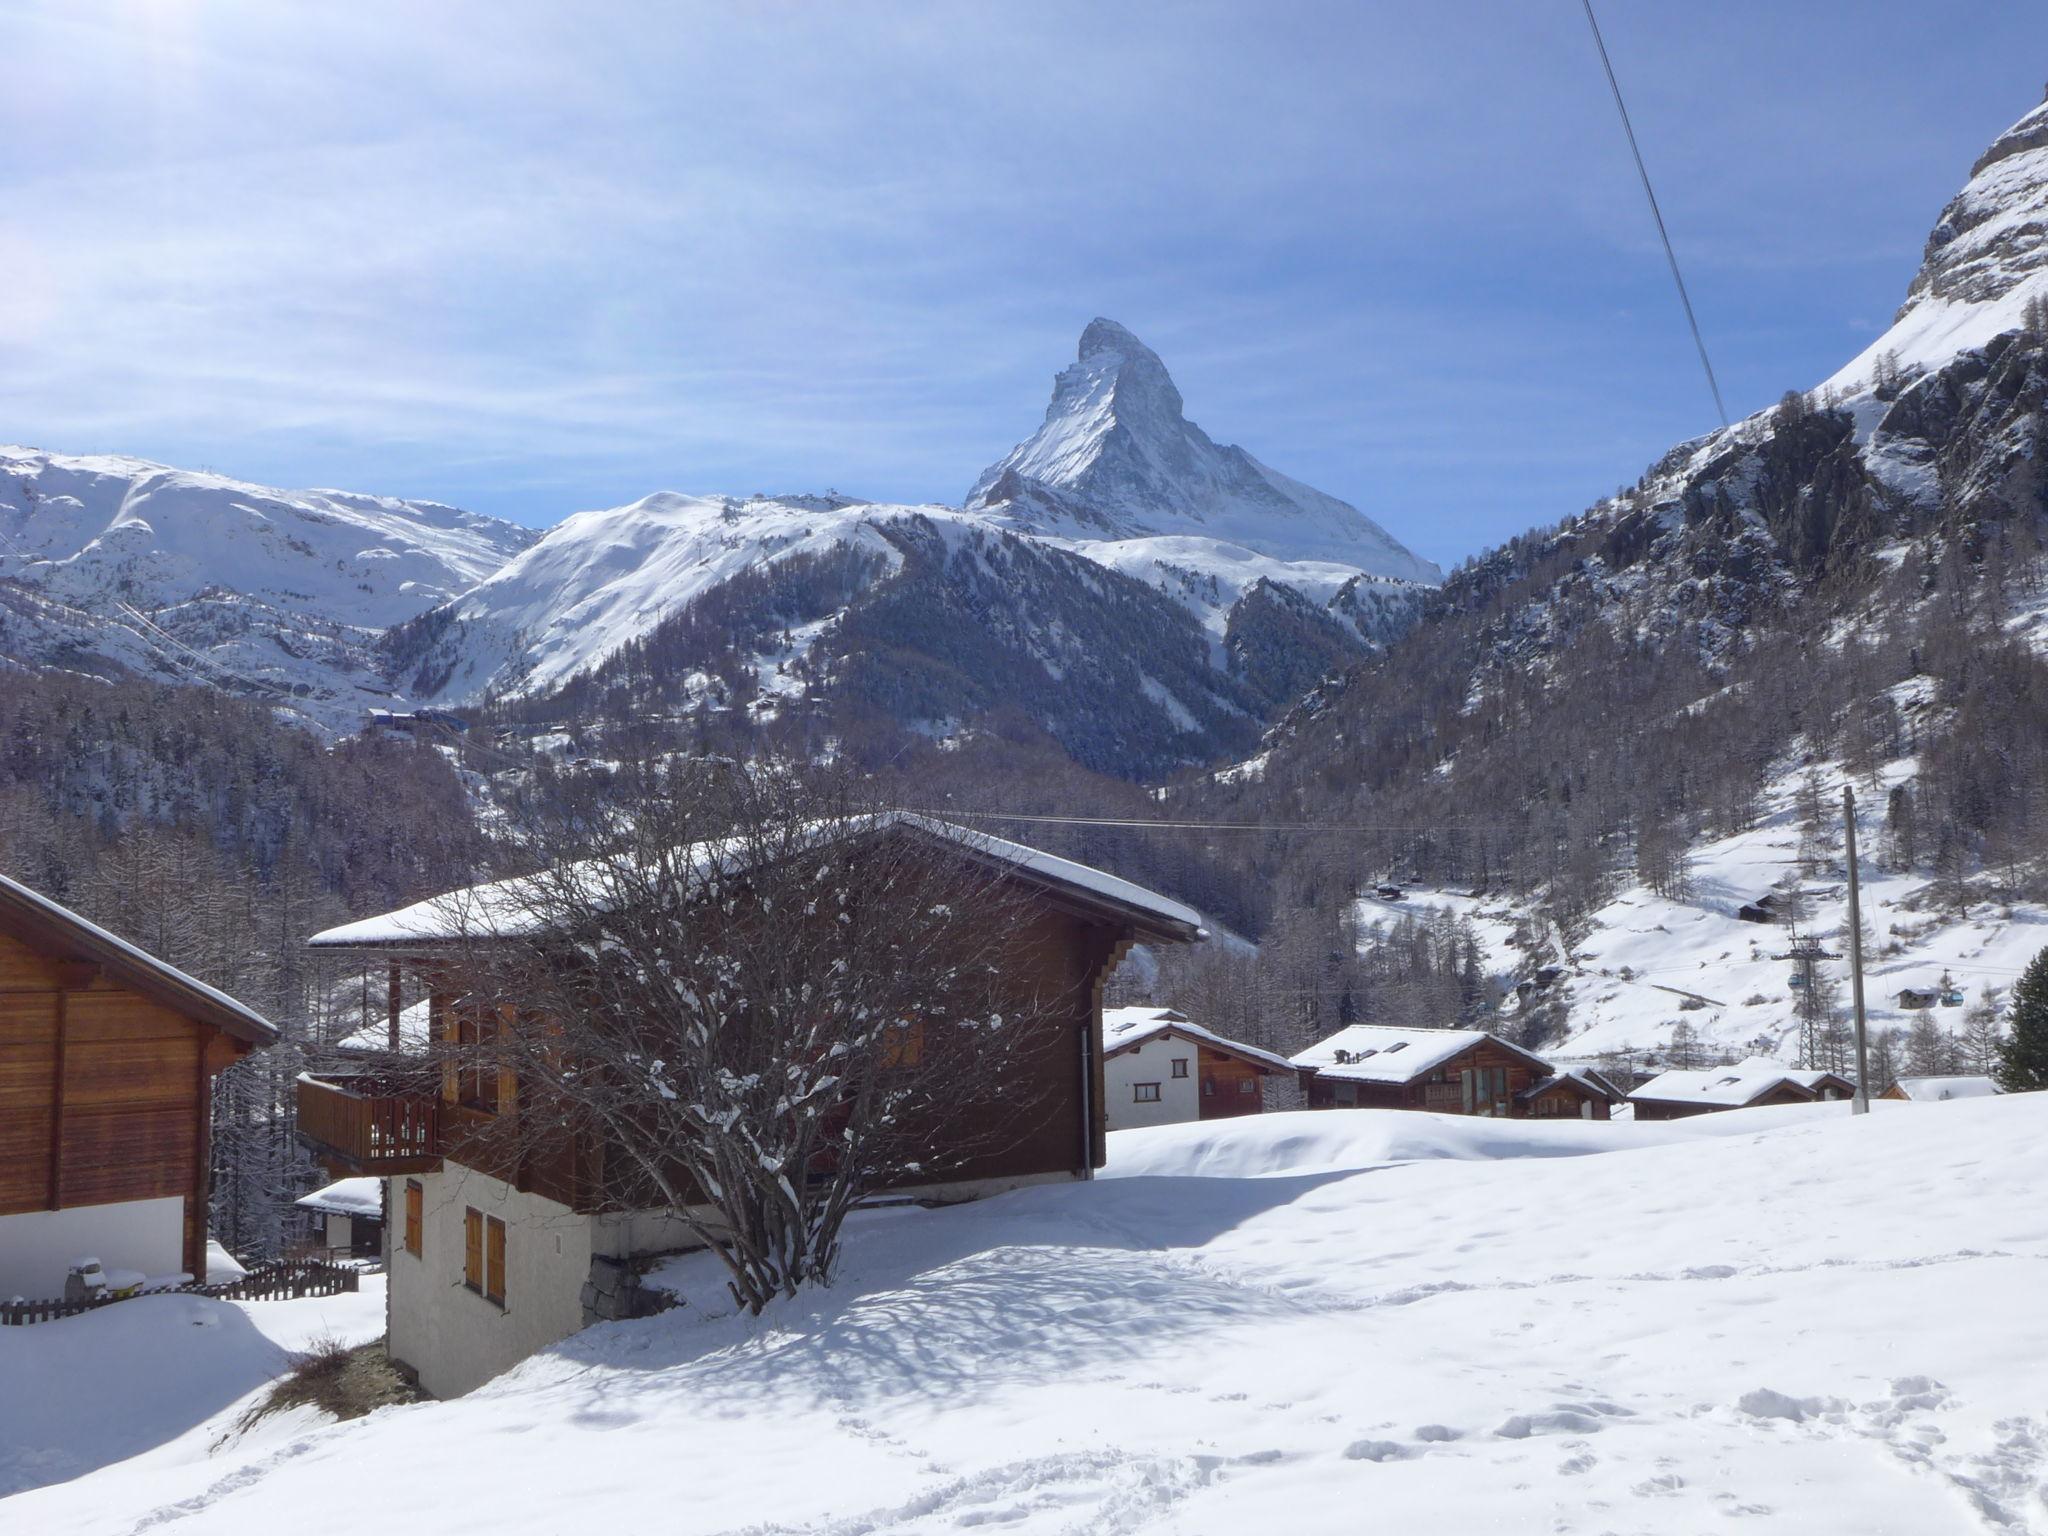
[{"x": 747, "y": 999}]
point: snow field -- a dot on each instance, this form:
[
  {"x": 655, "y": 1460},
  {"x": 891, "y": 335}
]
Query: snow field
[
  {"x": 162, "y": 1374},
  {"x": 1771, "y": 1321}
]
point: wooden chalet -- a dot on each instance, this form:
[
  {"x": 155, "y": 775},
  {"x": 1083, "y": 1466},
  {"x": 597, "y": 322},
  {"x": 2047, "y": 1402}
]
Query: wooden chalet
[
  {"x": 490, "y": 1260},
  {"x": 1447, "y": 1071},
  {"x": 107, "y": 1061},
  {"x": 1752, "y": 1084},
  {"x": 1577, "y": 1094},
  {"x": 1162, "y": 1068}
]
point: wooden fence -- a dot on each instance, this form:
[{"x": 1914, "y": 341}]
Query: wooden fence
[{"x": 287, "y": 1280}]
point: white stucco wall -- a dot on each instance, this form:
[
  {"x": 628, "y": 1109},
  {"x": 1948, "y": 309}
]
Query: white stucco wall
[
  {"x": 1152, "y": 1062},
  {"x": 455, "y": 1338},
  {"x": 38, "y": 1247}
]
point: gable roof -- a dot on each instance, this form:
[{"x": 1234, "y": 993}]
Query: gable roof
[
  {"x": 1935, "y": 1089},
  {"x": 49, "y": 926},
  {"x": 1125, "y": 1029},
  {"x": 503, "y": 909},
  {"x": 1584, "y": 1080},
  {"x": 1380, "y": 1053},
  {"x": 1731, "y": 1087}
]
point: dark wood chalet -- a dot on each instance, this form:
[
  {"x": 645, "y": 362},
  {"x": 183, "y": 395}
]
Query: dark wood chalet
[
  {"x": 107, "y": 1061},
  {"x": 491, "y": 1259},
  {"x": 1448, "y": 1071},
  {"x": 1755, "y": 1083}
]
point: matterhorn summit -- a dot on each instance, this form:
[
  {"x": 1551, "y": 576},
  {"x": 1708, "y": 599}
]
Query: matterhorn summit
[{"x": 1116, "y": 459}]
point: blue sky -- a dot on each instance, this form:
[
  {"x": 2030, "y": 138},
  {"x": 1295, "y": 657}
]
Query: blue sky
[{"x": 534, "y": 258}]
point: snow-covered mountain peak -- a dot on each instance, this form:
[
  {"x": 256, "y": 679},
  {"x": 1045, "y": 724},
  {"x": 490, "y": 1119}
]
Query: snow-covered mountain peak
[
  {"x": 1986, "y": 258},
  {"x": 1117, "y": 458}
]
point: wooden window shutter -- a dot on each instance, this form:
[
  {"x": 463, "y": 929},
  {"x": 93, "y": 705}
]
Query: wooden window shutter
[
  {"x": 494, "y": 1262},
  {"x": 473, "y": 1248},
  {"x": 415, "y": 1216}
]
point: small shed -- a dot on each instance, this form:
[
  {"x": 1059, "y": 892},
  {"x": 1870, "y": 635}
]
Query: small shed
[
  {"x": 345, "y": 1219},
  {"x": 1912, "y": 998},
  {"x": 1576, "y": 1094}
]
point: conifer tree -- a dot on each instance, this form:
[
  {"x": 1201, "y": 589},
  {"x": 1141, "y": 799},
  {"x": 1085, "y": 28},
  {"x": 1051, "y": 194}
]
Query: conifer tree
[{"x": 2023, "y": 1054}]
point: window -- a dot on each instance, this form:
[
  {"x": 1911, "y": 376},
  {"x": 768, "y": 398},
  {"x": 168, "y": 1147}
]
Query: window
[
  {"x": 483, "y": 1255},
  {"x": 1145, "y": 1093},
  {"x": 1180, "y": 1066},
  {"x": 1208, "y": 1087},
  {"x": 903, "y": 1045},
  {"x": 1247, "y": 1085},
  {"x": 415, "y": 1216},
  {"x": 494, "y": 1260}
]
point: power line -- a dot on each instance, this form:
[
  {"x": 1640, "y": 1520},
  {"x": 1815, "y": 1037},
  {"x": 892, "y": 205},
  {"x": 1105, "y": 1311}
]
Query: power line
[{"x": 1656, "y": 213}]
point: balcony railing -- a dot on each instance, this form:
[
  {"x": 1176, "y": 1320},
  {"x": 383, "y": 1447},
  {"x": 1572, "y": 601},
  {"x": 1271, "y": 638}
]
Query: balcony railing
[{"x": 367, "y": 1124}]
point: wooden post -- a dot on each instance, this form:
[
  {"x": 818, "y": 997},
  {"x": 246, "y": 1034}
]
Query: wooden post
[
  {"x": 392, "y": 996},
  {"x": 1862, "y": 1102}
]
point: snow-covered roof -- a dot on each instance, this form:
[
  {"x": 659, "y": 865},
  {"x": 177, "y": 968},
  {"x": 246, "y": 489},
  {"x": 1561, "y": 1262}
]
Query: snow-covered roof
[
  {"x": 1382, "y": 1053},
  {"x": 133, "y": 965},
  {"x": 1732, "y": 1086},
  {"x": 414, "y": 1028},
  {"x": 505, "y": 909},
  {"x": 1935, "y": 1089},
  {"x": 1584, "y": 1078},
  {"x": 347, "y": 1197},
  {"x": 1123, "y": 1028}
]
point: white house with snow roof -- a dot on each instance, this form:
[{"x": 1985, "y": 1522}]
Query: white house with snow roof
[
  {"x": 1449, "y": 1071},
  {"x": 1749, "y": 1084},
  {"x": 1159, "y": 1067}
]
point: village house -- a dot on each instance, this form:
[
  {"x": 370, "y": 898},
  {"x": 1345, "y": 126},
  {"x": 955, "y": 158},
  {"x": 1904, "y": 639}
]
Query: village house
[
  {"x": 1448, "y": 1071},
  {"x": 1161, "y": 1068},
  {"x": 1749, "y": 1084},
  {"x": 1937, "y": 1090},
  {"x": 107, "y": 1062},
  {"x": 345, "y": 1219},
  {"x": 489, "y": 1262}
]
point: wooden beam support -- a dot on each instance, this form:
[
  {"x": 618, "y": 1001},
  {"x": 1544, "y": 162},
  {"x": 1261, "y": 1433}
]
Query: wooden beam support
[{"x": 57, "y": 1107}]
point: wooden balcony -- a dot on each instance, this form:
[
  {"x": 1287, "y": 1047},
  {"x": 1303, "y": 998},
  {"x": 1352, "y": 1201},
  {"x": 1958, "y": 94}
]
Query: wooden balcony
[{"x": 366, "y": 1124}]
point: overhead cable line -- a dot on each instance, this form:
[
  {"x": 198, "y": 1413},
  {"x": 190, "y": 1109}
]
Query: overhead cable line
[{"x": 1656, "y": 213}]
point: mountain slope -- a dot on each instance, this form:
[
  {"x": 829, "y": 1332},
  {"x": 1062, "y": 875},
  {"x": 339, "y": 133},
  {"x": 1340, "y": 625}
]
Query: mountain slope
[
  {"x": 1600, "y": 722},
  {"x": 272, "y": 594}
]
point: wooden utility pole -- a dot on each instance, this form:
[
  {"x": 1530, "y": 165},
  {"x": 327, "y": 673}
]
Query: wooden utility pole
[{"x": 1862, "y": 1106}]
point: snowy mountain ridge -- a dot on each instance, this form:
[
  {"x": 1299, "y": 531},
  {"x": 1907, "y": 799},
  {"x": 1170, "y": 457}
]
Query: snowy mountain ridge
[
  {"x": 330, "y": 603},
  {"x": 1271, "y": 581},
  {"x": 199, "y": 577}
]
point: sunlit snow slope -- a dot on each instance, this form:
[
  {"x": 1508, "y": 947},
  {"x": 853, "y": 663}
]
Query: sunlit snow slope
[{"x": 1779, "y": 1322}]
